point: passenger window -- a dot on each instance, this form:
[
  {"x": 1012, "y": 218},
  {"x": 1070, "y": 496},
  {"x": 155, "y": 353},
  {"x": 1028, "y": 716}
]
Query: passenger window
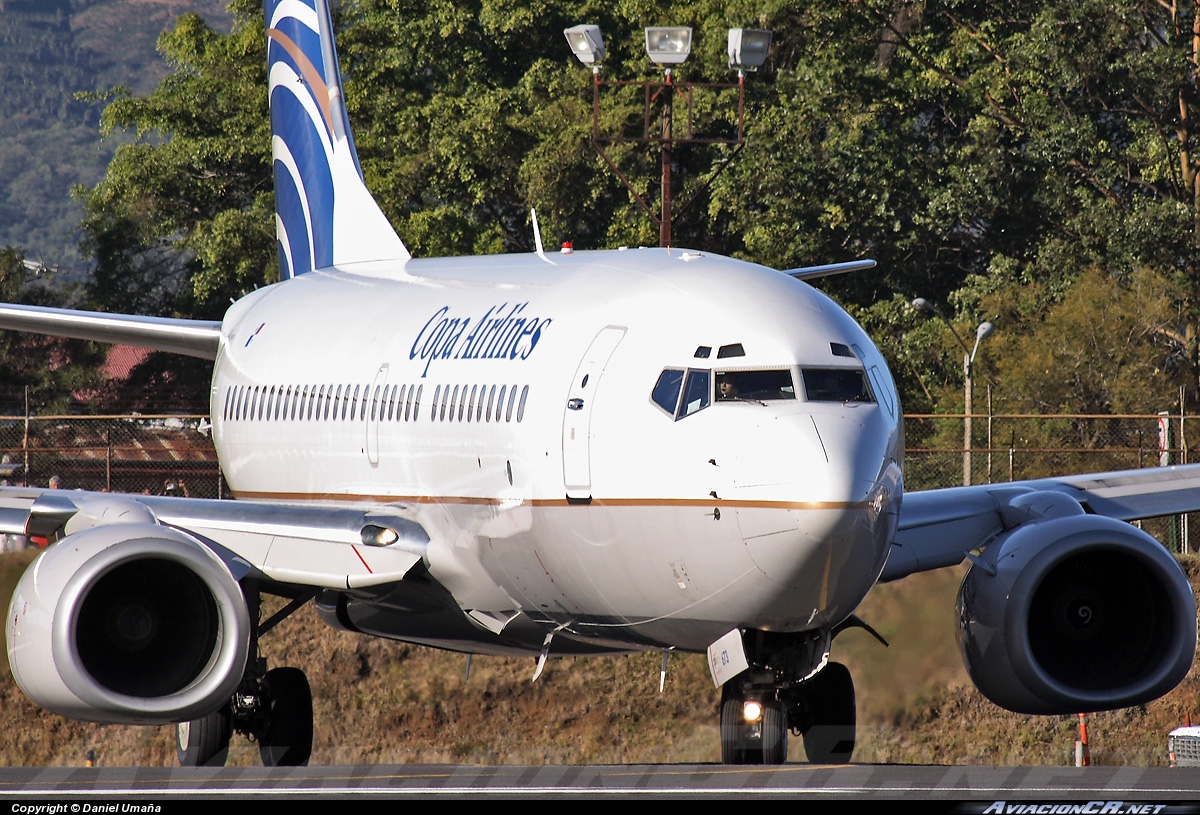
[
  {"x": 521, "y": 404},
  {"x": 836, "y": 385},
  {"x": 512, "y": 399}
]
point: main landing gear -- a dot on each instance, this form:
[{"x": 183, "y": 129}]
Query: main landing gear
[
  {"x": 760, "y": 706},
  {"x": 271, "y": 707}
]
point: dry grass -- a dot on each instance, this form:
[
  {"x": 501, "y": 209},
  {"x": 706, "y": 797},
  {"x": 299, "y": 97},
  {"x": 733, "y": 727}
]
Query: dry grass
[{"x": 386, "y": 702}]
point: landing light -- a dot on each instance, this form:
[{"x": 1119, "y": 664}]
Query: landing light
[
  {"x": 751, "y": 710},
  {"x": 373, "y": 535}
]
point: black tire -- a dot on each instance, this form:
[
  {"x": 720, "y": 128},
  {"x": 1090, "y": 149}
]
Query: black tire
[
  {"x": 287, "y": 741},
  {"x": 829, "y": 697},
  {"x": 204, "y": 742},
  {"x": 742, "y": 743},
  {"x": 733, "y": 727},
  {"x": 774, "y": 733}
]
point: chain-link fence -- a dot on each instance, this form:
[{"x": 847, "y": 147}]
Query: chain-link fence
[
  {"x": 138, "y": 454},
  {"x": 1016, "y": 447},
  {"x": 175, "y": 454}
]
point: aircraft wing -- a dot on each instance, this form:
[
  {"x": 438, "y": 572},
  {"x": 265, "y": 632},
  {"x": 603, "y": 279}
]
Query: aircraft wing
[
  {"x": 193, "y": 338},
  {"x": 325, "y": 546},
  {"x": 939, "y": 528}
]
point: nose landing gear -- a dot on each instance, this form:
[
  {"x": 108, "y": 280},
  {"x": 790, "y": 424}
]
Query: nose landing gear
[
  {"x": 790, "y": 686},
  {"x": 756, "y": 718},
  {"x": 754, "y": 727}
]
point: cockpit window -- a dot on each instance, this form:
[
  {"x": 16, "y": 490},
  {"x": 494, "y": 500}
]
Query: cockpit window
[
  {"x": 666, "y": 390},
  {"x": 757, "y": 386},
  {"x": 836, "y": 385},
  {"x": 694, "y": 385},
  {"x": 696, "y": 393}
]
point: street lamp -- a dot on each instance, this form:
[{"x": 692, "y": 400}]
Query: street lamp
[
  {"x": 668, "y": 46},
  {"x": 748, "y": 49},
  {"x": 587, "y": 44},
  {"x": 982, "y": 332}
]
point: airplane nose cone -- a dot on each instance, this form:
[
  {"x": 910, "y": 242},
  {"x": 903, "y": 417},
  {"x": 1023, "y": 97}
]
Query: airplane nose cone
[{"x": 824, "y": 551}]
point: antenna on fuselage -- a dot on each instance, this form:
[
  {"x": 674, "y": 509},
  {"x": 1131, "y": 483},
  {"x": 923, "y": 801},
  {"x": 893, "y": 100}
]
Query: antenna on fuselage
[{"x": 537, "y": 237}]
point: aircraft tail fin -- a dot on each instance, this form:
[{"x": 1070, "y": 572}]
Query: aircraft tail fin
[{"x": 324, "y": 214}]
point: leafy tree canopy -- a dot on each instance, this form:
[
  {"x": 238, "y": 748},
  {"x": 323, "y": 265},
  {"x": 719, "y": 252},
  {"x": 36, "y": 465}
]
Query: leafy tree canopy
[
  {"x": 47, "y": 369},
  {"x": 993, "y": 158}
]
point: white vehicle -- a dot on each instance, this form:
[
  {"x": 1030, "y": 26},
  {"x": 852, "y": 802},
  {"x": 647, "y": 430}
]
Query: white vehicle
[{"x": 583, "y": 453}]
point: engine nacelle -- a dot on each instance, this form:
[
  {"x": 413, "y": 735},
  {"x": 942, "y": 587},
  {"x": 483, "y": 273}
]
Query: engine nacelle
[
  {"x": 1076, "y": 614},
  {"x": 130, "y": 623}
]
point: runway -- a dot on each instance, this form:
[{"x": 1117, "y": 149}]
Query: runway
[{"x": 74, "y": 786}]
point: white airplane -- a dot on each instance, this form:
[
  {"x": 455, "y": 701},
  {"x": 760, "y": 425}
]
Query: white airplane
[{"x": 582, "y": 453}]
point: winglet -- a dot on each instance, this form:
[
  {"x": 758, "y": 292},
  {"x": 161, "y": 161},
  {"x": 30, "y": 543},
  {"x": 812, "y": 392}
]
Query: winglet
[
  {"x": 324, "y": 214},
  {"x": 813, "y": 272}
]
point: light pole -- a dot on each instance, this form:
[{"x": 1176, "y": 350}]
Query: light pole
[
  {"x": 982, "y": 332},
  {"x": 668, "y": 46}
]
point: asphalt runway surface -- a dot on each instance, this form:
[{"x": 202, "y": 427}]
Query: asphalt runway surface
[{"x": 83, "y": 788}]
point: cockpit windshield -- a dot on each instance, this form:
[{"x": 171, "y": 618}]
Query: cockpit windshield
[
  {"x": 682, "y": 392},
  {"x": 756, "y": 386},
  {"x": 836, "y": 385}
]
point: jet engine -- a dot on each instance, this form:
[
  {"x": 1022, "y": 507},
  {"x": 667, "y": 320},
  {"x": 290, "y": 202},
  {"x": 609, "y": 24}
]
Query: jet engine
[
  {"x": 1075, "y": 614},
  {"x": 128, "y": 623}
]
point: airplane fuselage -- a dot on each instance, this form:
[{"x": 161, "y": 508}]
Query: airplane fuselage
[{"x": 515, "y": 407}]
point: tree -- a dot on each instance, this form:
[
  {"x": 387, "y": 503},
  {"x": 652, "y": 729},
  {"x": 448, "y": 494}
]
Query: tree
[
  {"x": 986, "y": 155},
  {"x": 47, "y": 369},
  {"x": 182, "y": 220}
]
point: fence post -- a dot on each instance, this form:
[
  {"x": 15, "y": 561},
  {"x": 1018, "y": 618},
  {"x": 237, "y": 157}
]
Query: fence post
[
  {"x": 108, "y": 459},
  {"x": 1185, "y": 519},
  {"x": 989, "y": 475},
  {"x": 25, "y": 444},
  {"x": 1166, "y": 447},
  {"x": 1012, "y": 444}
]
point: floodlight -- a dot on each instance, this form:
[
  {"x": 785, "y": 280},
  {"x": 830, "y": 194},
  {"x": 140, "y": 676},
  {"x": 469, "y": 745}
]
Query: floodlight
[
  {"x": 748, "y": 48},
  {"x": 668, "y": 45},
  {"x": 586, "y": 43}
]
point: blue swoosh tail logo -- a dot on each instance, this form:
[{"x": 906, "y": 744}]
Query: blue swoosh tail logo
[{"x": 324, "y": 214}]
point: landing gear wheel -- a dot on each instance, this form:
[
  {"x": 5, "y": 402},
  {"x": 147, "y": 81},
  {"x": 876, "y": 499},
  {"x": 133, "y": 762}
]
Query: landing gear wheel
[
  {"x": 830, "y": 699},
  {"x": 287, "y": 741},
  {"x": 742, "y": 742},
  {"x": 204, "y": 742},
  {"x": 733, "y": 725},
  {"x": 774, "y": 731}
]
